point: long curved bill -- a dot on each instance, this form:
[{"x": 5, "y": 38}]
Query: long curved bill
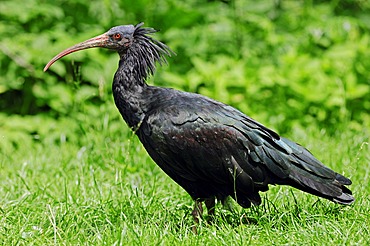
[{"x": 98, "y": 41}]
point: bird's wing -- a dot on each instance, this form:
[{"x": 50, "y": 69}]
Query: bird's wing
[{"x": 202, "y": 139}]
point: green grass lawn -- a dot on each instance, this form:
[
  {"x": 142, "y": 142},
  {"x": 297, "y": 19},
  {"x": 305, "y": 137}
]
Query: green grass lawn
[{"x": 88, "y": 181}]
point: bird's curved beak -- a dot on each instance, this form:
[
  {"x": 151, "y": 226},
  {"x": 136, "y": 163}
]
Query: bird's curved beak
[{"x": 98, "y": 41}]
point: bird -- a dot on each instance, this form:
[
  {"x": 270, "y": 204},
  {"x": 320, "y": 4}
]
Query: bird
[{"x": 212, "y": 150}]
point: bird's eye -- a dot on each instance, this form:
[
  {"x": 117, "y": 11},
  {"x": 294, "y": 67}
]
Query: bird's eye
[{"x": 117, "y": 36}]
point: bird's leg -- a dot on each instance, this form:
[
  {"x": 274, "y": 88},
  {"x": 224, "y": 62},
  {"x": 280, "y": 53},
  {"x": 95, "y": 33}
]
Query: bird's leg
[
  {"x": 197, "y": 214},
  {"x": 197, "y": 211},
  {"x": 210, "y": 205},
  {"x": 227, "y": 203}
]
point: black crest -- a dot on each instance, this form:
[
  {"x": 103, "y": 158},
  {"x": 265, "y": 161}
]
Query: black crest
[{"x": 147, "y": 51}]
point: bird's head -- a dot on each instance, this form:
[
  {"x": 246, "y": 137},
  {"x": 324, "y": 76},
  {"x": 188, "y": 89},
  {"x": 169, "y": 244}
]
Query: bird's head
[{"x": 119, "y": 38}]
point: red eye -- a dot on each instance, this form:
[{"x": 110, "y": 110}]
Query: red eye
[{"x": 117, "y": 36}]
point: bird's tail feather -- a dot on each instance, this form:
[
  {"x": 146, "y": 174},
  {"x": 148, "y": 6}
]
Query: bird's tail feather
[
  {"x": 333, "y": 190},
  {"x": 310, "y": 175}
]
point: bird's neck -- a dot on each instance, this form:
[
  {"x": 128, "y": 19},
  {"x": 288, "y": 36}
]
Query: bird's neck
[
  {"x": 129, "y": 91},
  {"x": 133, "y": 97}
]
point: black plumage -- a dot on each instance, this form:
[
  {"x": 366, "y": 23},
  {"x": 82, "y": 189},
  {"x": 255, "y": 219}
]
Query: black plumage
[{"x": 210, "y": 149}]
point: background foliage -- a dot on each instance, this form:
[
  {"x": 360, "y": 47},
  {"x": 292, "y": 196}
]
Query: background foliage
[{"x": 285, "y": 63}]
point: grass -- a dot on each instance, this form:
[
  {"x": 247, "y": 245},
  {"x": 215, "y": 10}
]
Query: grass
[{"x": 101, "y": 188}]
